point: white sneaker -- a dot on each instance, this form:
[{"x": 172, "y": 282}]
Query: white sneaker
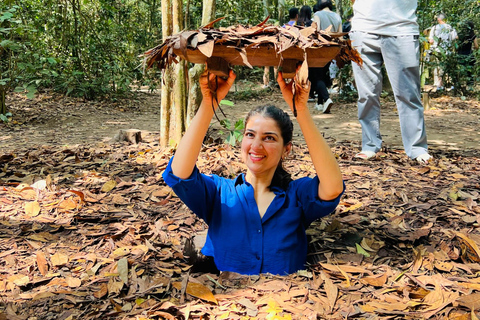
[
  {"x": 423, "y": 158},
  {"x": 311, "y": 99},
  {"x": 327, "y": 106},
  {"x": 318, "y": 107}
]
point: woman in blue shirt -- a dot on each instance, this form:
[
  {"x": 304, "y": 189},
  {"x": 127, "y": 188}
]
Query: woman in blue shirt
[{"x": 257, "y": 221}]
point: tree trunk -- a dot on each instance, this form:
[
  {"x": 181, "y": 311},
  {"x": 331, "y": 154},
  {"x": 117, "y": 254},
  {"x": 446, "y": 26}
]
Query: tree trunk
[
  {"x": 281, "y": 11},
  {"x": 166, "y": 79},
  {"x": 265, "y": 8},
  {"x": 339, "y": 8},
  {"x": 174, "y": 87},
  {"x": 194, "y": 93},
  {"x": 208, "y": 13},
  {"x": 76, "y": 37},
  {"x": 3, "y": 105},
  {"x": 180, "y": 83}
]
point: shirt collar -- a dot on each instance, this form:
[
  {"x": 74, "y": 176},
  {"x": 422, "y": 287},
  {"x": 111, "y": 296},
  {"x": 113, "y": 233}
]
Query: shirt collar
[{"x": 240, "y": 179}]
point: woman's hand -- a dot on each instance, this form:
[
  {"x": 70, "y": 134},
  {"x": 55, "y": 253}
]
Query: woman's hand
[
  {"x": 214, "y": 88},
  {"x": 301, "y": 90}
]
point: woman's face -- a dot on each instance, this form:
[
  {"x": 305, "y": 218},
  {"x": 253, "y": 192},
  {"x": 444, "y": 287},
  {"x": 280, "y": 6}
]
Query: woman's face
[{"x": 262, "y": 145}]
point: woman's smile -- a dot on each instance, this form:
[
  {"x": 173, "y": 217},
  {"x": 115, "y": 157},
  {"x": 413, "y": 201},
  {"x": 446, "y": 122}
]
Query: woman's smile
[{"x": 256, "y": 157}]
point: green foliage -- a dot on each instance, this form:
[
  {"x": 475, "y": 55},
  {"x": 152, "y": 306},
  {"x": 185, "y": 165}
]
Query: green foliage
[
  {"x": 253, "y": 12},
  {"x": 234, "y": 134},
  {"x": 5, "y": 117},
  {"x": 457, "y": 13},
  {"x": 346, "y": 89},
  {"x": 15, "y": 56},
  {"x": 81, "y": 48}
]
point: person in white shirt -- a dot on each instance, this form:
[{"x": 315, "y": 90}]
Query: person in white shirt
[
  {"x": 441, "y": 38},
  {"x": 386, "y": 32}
]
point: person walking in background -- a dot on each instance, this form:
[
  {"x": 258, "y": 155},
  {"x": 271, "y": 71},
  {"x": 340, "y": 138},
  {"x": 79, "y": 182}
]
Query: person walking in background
[
  {"x": 386, "y": 32},
  {"x": 320, "y": 77},
  {"x": 441, "y": 38},
  {"x": 293, "y": 16},
  {"x": 347, "y": 25},
  {"x": 467, "y": 42},
  {"x": 305, "y": 20},
  {"x": 305, "y": 17}
]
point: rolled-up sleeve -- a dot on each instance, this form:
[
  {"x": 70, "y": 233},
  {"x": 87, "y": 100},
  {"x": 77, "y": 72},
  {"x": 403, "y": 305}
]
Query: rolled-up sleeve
[
  {"x": 314, "y": 207},
  {"x": 198, "y": 191}
]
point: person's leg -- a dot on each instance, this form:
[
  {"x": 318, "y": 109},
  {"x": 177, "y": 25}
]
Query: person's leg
[
  {"x": 266, "y": 76},
  {"x": 368, "y": 79},
  {"x": 401, "y": 55},
  {"x": 437, "y": 72},
  {"x": 312, "y": 72},
  {"x": 322, "y": 81}
]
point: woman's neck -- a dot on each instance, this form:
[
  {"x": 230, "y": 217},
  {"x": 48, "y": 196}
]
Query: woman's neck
[{"x": 260, "y": 183}]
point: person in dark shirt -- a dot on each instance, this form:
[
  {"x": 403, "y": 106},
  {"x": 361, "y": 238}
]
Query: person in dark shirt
[
  {"x": 347, "y": 25},
  {"x": 467, "y": 42},
  {"x": 257, "y": 221}
]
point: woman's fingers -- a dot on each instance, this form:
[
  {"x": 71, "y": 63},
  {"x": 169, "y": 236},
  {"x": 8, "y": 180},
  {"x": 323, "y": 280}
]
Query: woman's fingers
[
  {"x": 224, "y": 85},
  {"x": 215, "y": 88}
]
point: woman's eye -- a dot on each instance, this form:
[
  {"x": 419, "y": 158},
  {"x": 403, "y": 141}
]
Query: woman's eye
[
  {"x": 248, "y": 134},
  {"x": 269, "y": 138}
]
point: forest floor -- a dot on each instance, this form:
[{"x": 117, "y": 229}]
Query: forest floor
[{"x": 89, "y": 230}]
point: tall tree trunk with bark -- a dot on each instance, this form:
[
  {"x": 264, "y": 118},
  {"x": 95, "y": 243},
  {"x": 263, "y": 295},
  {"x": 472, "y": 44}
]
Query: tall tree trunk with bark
[
  {"x": 180, "y": 81},
  {"x": 166, "y": 99},
  {"x": 174, "y": 92},
  {"x": 3, "y": 103},
  {"x": 281, "y": 11},
  {"x": 194, "y": 93}
]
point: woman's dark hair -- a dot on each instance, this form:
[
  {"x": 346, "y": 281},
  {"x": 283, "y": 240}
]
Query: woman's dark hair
[
  {"x": 322, "y": 4},
  {"x": 305, "y": 17},
  {"x": 281, "y": 178}
]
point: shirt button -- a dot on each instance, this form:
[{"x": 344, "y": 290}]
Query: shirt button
[
  {"x": 258, "y": 257},
  {"x": 259, "y": 231}
]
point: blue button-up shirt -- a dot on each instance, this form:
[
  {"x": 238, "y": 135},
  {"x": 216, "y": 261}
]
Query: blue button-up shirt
[{"x": 240, "y": 240}]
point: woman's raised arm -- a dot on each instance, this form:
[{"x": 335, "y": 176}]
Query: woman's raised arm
[
  {"x": 191, "y": 143},
  {"x": 326, "y": 166}
]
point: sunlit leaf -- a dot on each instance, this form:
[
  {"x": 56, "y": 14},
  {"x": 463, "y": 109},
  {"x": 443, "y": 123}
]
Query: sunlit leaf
[
  {"x": 197, "y": 290},
  {"x": 73, "y": 282},
  {"x": 42, "y": 263},
  {"x": 360, "y": 250},
  {"x": 108, "y": 186},
  {"x": 59, "y": 259},
  {"x": 122, "y": 267},
  {"x": 32, "y": 209}
]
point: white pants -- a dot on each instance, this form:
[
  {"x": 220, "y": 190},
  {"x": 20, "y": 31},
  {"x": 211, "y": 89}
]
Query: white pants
[{"x": 400, "y": 55}]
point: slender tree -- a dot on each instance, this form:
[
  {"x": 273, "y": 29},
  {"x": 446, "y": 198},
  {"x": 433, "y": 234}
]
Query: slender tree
[
  {"x": 180, "y": 82},
  {"x": 166, "y": 99},
  {"x": 174, "y": 92},
  {"x": 194, "y": 94}
]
